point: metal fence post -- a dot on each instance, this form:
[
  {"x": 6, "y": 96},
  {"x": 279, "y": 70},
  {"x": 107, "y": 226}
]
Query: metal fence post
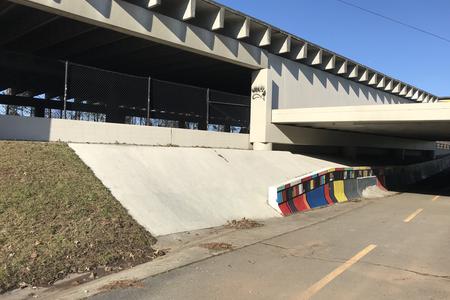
[
  {"x": 149, "y": 86},
  {"x": 65, "y": 88},
  {"x": 207, "y": 108}
]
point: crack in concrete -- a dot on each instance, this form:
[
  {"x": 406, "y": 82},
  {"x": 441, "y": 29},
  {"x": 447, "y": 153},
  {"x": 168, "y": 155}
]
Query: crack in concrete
[
  {"x": 340, "y": 260},
  {"x": 276, "y": 246},
  {"x": 221, "y": 156},
  {"x": 446, "y": 277}
]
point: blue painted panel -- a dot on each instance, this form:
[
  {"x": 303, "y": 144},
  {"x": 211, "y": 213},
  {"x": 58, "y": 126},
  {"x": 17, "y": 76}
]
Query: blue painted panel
[
  {"x": 280, "y": 197},
  {"x": 316, "y": 197}
]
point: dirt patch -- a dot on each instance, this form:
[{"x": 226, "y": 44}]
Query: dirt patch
[
  {"x": 217, "y": 246},
  {"x": 57, "y": 218},
  {"x": 122, "y": 284},
  {"x": 243, "y": 224}
]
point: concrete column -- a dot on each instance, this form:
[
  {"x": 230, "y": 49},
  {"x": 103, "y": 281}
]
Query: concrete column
[
  {"x": 262, "y": 146},
  {"x": 260, "y": 110}
]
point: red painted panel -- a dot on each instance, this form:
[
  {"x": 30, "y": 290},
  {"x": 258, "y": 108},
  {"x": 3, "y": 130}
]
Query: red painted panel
[
  {"x": 300, "y": 203},
  {"x": 285, "y": 209},
  {"x": 327, "y": 194},
  {"x": 380, "y": 185},
  {"x": 284, "y": 194}
]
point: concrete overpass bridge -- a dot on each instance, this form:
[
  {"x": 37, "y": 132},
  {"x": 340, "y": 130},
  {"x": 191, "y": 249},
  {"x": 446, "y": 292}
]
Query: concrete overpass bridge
[{"x": 198, "y": 63}]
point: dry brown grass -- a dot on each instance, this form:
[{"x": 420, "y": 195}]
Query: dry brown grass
[{"x": 57, "y": 218}]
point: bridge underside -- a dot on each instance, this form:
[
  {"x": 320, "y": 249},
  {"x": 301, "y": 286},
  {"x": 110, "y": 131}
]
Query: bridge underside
[
  {"x": 107, "y": 77},
  {"x": 44, "y": 34},
  {"x": 418, "y": 121}
]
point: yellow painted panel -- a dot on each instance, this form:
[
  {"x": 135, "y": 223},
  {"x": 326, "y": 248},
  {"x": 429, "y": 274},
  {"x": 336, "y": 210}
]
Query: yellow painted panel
[{"x": 338, "y": 187}]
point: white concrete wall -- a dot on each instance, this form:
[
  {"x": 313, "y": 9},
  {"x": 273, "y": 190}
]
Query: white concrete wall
[
  {"x": 40, "y": 129},
  {"x": 172, "y": 189},
  {"x": 295, "y": 85}
]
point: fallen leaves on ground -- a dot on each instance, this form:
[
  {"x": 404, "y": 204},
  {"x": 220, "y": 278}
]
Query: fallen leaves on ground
[{"x": 243, "y": 224}]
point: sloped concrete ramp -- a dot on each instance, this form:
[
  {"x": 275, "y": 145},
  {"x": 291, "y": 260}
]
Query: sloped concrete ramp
[{"x": 169, "y": 190}]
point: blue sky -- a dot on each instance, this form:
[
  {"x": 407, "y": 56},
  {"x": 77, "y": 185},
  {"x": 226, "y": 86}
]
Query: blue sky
[{"x": 400, "y": 52}]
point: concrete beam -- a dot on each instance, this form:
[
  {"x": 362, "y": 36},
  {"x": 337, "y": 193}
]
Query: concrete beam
[
  {"x": 330, "y": 63},
  {"x": 389, "y": 85},
  {"x": 397, "y": 88},
  {"x": 282, "y": 44},
  {"x": 219, "y": 19},
  {"x": 342, "y": 67},
  {"x": 315, "y": 57},
  {"x": 300, "y": 51},
  {"x": 404, "y": 90},
  {"x": 188, "y": 8},
  {"x": 244, "y": 31},
  {"x": 410, "y": 93},
  {"x": 382, "y": 83},
  {"x": 364, "y": 76},
  {"x": 354, "y": 71},
  {"x": 153, "y": 3},
  {"x": 373, "y": 79},
  {"x": 285, "y": 134},
  {"x": 267, "y": 38},
  {"x": 423, "y": 121},
  {"x": 421, "y": 97},
  {"x": 415, "y": 95}
]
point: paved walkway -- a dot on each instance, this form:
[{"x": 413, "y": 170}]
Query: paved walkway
[{"x": 391, "y": 248}]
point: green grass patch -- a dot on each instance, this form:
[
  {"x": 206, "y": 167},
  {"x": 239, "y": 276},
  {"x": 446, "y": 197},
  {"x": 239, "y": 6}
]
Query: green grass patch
[{"x": 57, "y": 218}]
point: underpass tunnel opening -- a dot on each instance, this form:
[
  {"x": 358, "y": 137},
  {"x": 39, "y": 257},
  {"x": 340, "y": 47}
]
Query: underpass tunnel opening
[
  {"x": 360, "y": 156},
  {"x": 108, "y": 76}
]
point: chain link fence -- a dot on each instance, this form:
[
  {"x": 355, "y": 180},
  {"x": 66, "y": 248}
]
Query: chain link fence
[{"x": 31, "y": 86}]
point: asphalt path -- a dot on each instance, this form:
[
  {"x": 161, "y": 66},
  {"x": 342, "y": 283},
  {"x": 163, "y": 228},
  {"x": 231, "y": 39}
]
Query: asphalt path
[{"x": 392, "y": 248}]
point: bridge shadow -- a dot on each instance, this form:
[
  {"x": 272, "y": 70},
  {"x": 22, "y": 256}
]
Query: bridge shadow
[{"x": 438, "y": 184}]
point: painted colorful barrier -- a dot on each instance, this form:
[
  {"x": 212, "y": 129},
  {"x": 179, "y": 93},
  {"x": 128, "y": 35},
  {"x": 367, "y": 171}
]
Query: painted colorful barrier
[{"x": 324, "y": 188}]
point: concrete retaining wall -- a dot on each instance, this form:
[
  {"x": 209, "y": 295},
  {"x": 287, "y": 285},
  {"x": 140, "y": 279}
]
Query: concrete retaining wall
[
  {"x": 40, "y": 129},
  {"x": 400, "y": 176}
]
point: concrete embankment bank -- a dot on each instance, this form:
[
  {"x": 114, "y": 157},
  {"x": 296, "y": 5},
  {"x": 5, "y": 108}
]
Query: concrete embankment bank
[{"x": 171, "y": 189}]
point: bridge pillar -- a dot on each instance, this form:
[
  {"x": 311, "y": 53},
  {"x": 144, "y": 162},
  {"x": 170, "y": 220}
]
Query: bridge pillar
[
  {"x": 262, "y": 146},
  {"x": 260, "y": 110}
]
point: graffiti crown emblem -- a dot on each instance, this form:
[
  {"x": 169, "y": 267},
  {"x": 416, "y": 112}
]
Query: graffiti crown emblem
[{"x": 259, "y": 92}]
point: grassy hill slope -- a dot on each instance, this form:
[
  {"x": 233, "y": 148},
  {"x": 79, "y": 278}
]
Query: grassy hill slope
[{"x": 57, "y": 218}]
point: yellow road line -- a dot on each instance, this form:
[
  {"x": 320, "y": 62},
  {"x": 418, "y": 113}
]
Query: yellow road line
[
  {"x": 435, "y": 198},
  {"x": 413, "y": 215},
  {"x": 335, "y": 273}
]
